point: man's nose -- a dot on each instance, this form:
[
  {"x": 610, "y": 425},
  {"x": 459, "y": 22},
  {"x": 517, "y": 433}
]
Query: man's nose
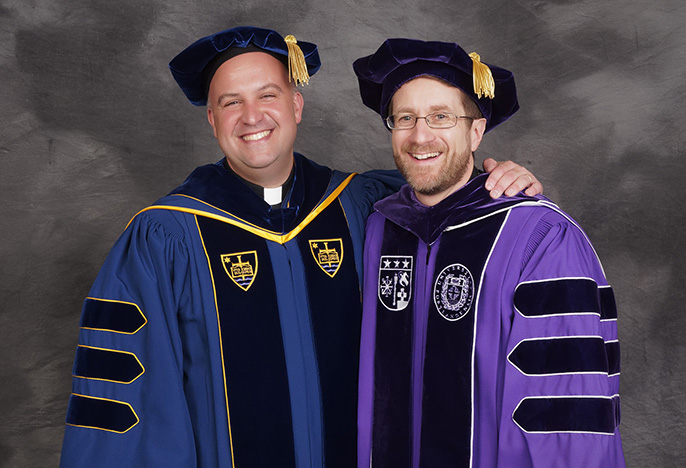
[
  {"x": 252, "y": 113},
  {"x": 422, "y": 133}
]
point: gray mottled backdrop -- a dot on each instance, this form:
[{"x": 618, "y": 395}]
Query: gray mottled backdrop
[{"x": 93, "y": 128}]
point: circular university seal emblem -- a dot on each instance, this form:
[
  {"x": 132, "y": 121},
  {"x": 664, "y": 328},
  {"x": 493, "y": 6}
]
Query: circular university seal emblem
[{"x": 454, "y": 292}]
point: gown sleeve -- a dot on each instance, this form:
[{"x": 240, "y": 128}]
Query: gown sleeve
[
  {"x": 560, "y": 392},
  {"x": 127, "y": 406}
]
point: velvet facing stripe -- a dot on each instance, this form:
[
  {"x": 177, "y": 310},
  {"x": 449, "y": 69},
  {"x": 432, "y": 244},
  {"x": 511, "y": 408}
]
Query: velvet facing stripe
[
  {"x": 336, "y": 313},
  {"x": 557, "y": 297},
  {"x": 595, "y": 415},
  {"x": 551, "y": 356},
  {"x": 448, "y": 367},
  {"x": 99, "y": 413},
  {"x": 393, "y": 403},
  {"x": 107, "y": 364},
  {"x": 253, "y": 354},
  {"x": 113, "y": 316}
]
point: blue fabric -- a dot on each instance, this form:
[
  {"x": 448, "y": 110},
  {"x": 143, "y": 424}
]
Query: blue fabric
[
  {"x": 188, "y": 66},
  {"x": 261, "y": 373},
  {"x": 113, "y": 316},
  {"x": 100, "y": 414},
  {"x": 106, "y": 364}
]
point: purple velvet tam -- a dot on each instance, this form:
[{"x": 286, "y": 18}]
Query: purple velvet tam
[
  {"x": 398, "y": 61},
  {"x": 194, "y": 67}
]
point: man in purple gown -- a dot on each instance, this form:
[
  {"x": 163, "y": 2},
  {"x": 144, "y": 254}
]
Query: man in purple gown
[{"x": 489, "y": 334}]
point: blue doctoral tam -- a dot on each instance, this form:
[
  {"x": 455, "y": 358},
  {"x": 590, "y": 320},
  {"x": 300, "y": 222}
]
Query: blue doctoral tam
[
  {"x": 398, "y": 61},
  {"x": 194, "y": 67}
]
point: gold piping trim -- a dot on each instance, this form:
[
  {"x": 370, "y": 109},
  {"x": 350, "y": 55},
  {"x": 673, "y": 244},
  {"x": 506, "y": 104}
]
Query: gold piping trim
[
  {"x": 145, "y": 319},
  {"x": 221, "y": 346},
  {"x": 113, "y": 351},
  {"x": 102, "y": 428},
  {"x": 264, "y": 233}
]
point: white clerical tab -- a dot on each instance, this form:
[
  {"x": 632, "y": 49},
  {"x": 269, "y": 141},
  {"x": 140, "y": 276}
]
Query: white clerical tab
[{"x": 272, "y": 195}]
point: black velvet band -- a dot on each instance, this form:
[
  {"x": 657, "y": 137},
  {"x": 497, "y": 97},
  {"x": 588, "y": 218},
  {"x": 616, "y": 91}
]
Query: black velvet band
[
  {"x": 568, "y": 414},
  {"x": 105, "y": 364},
  {"x": 557, "y": 297},
  {"x": 118, "y": 317},
  {"x": 560, "y": 356},
  {"x": 97, "y": 413}
]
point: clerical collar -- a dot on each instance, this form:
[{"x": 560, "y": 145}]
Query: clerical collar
[{"x": 273, "y": 196}]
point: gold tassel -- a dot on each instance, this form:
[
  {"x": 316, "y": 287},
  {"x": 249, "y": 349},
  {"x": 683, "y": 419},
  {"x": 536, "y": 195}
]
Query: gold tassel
[
  {"x": 297, "y": 67},
  {"x": 483, "y": 78}
]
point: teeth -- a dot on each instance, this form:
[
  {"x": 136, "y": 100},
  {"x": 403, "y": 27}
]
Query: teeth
[
  {"x": 422, "y": 156},
  {"x": 256, "y": 136}
]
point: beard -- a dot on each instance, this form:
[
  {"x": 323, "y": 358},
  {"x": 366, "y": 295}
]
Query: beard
[{"x": 431, "y": 180}]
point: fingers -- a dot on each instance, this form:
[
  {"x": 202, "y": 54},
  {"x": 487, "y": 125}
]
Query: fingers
[
  {"x": 510, "y": 178},
  {"x": 536, "y": 188},
  {"x": 490, "y": 164}
]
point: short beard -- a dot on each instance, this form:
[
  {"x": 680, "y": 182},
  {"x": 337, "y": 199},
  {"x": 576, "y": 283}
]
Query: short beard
[{"x": 446, "y": 178}]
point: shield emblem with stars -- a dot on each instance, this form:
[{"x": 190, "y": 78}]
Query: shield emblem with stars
[
  {"x": 328, "y": 253},
  {"x": 241, "y": 268},
  {"x": 395, "y": 281}
]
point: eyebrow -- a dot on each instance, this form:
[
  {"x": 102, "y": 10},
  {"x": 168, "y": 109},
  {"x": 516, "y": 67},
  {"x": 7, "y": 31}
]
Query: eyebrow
[
  {"x": 432, "y": 109},
  {"x": 266, "y": 87}
]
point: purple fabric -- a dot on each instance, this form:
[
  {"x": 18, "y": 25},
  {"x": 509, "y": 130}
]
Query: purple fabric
[
  {"x": 398, "y": 61},
  {"x": 534, "y": 243}
]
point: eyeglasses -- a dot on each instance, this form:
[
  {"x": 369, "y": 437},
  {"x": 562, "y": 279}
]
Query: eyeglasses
[{"x": 433, "y": 120}]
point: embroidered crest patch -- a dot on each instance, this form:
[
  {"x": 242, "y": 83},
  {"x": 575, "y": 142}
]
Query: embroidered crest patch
[
  {"x": 328, "y": 253},
  {"x": 454, "y": 292},
  {"x": 395, "y": 281},
  {"x": 241, "y": 268}
]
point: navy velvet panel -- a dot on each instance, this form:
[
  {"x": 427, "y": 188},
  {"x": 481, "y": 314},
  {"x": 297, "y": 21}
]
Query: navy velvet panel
[
  {"x": 560, "y": 356},
  {"x": 588, "y": 414},
  {"x": 255, "y": 366},
  {"x": 117, "y": 317},
  {"x": 447, "y": 399},
  {"x": 221, "y": 188},
  {"x": 336, "y": 308},
  {"x": 608, "y": 306},
  {"x": 567, "y": 296},
  {"x": 91, "y": 363},
  {"x": 613, "y": 357},
  {"x": 392, "y": 431},
  {"x": 96, "y": 413}
]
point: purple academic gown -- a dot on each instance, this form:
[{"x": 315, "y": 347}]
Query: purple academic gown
[{"x": 489, "y": 337}]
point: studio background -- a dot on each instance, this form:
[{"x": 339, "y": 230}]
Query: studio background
[{"x": 93, "y": 128}]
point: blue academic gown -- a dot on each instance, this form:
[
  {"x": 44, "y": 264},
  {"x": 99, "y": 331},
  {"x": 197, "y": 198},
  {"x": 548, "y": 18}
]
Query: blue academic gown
[{"x": 223, "y": 333}]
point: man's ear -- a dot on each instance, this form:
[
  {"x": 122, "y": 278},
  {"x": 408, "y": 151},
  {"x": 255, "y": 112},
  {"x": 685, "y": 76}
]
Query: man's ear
[
  {"x": 298, "y": 104},
  {"x": 210, "y": 119},
  {"x": 477, "y": 132}
]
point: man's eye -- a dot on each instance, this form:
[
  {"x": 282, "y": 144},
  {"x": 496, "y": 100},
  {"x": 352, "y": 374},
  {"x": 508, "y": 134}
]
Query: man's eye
[
  {"x": 405, "y": 118},
  {"x": 440, "y": 116},
  {"x": 230, "y": 103}
]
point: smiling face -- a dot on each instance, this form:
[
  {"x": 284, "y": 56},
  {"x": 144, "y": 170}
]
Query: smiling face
[
  {"x": 435, "y": 162},
  {"x": 255, "y": 111}
]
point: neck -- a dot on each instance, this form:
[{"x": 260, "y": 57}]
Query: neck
[
  {"x": 273, "y": 195},
  {"x": 435, "y": 198}
]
